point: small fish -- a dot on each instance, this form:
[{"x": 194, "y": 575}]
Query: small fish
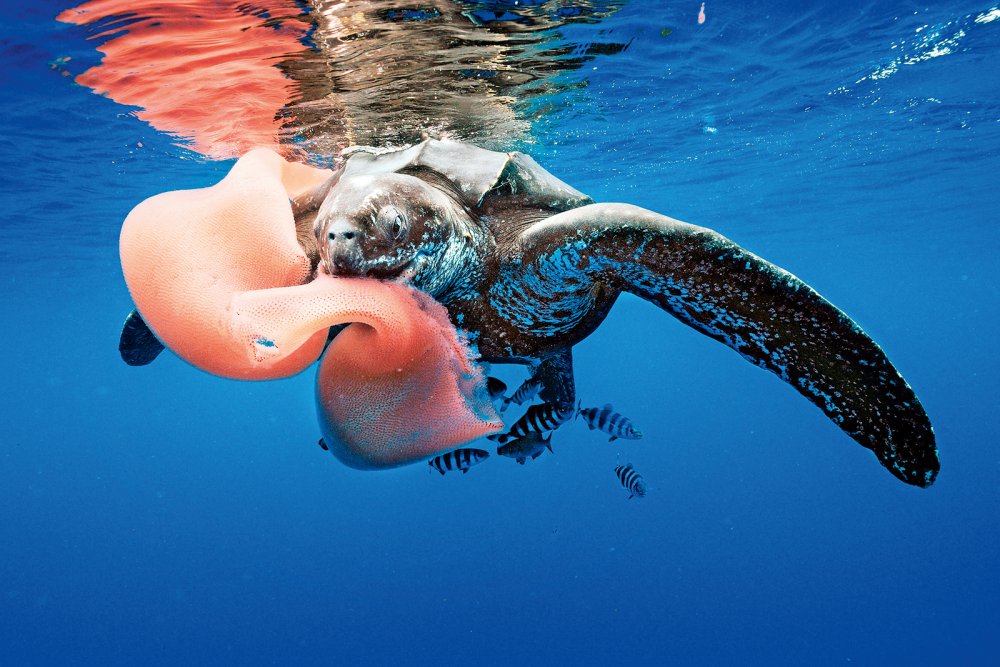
[
  {"x": 497, "y": 391},
  {"x": 527, "y": 391},
  {"x": 460, "y": 459},
  {"x": 609, "y": 421},
  {"x": 631, "y": 480},
  {"x": 701, "y": 14},
  {"x": 322, "y": 443},
  {"x": 538, "y": 418},
  {"x": 529, "y": 446}
]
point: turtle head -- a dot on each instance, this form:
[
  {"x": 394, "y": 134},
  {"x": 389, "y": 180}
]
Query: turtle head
[{"x": 392, "y": 226}]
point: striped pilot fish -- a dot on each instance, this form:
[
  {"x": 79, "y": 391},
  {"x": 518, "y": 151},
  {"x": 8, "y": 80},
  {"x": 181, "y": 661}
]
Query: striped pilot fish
[
  {"x": 631, "y": 480},
  {"x": 460, "y": 459},
  {"x": 526, "y": 447},
  {"x": 609, "y": 421},
  {"x": 527, "y": 391},
  {"x": 497, "y": 390},
  {"x": 538, "y": 418}
]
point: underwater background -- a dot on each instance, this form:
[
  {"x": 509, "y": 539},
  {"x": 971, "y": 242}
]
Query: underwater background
[{"x": 160, "y": 515}]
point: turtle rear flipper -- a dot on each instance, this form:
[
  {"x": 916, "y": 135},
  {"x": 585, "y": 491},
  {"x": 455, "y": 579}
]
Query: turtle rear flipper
[
  {"x": 767, "y": 315},
  {"x": 138, "y": 345}
]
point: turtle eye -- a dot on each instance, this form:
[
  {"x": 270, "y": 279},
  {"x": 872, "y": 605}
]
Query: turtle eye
[
  {"x": 394, "y": 222},
  {"x": 398, "y": 225}
]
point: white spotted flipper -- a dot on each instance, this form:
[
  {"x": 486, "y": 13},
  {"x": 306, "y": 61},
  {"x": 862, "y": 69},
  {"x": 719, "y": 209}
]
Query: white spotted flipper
[{"x": 769, "y": 316}]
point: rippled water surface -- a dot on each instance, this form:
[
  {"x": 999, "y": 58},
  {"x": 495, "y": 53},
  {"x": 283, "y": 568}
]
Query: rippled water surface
[{"x": 160, "y": 515}]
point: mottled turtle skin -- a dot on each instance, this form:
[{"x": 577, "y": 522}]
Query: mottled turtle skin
[{"x": 528, "y": 267}]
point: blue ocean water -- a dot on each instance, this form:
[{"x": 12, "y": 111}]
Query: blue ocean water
[{"x": 164, "y": 516}]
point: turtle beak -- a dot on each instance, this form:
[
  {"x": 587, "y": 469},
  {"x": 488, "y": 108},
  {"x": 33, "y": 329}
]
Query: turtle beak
[{"x": 343, "y": 253}]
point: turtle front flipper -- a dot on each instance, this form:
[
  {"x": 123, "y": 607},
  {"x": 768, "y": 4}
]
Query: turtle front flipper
[
  {"x": 138, "y": 345},
  {"x": 769, "y": 316}
]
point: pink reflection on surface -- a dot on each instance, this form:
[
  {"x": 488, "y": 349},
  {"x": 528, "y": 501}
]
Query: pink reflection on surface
[{"x": 205, "y": 72}]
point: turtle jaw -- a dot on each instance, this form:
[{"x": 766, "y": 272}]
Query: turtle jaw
[
  {"x": 353, "y": 264},
  {"x": 344, "y": 262},
  {"x": 397, "y": 272}
]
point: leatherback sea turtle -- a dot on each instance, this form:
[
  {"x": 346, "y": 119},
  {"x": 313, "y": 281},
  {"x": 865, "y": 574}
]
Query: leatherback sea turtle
[{"x": 528, "y": 267}]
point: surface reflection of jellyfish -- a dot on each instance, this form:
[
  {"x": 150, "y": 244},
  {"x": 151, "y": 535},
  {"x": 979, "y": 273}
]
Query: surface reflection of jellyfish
[
  {"x": 231, "y": 76},
  {"x": 203, "y": 74}
]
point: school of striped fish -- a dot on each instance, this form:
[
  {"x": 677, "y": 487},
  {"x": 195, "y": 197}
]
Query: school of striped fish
[
  {"x": 538, "y": 418},
  {"x": 526, "y": 439}
]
